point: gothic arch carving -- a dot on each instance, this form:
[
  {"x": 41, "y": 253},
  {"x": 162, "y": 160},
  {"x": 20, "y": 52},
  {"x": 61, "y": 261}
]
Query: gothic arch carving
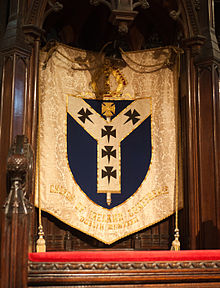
[
  {"x": 38, "y": 12},
  {"x": 186, "y": 16},
  {"x": 190, "y": 17}
]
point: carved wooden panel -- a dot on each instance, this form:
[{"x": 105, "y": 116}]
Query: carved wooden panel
[
  {"x": 20, "y": 93},
  {"x": 5, "y": 121},
  {"x": 141, "y": 274},
  {"x": 206, "y": 158}
]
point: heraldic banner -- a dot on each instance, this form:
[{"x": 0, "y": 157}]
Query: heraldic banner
[{"x": 107, "y": 139}]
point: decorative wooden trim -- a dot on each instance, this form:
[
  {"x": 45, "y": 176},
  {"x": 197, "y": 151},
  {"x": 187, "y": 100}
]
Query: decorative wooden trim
[
  {"x": 42, "y": 273},
  {"x": 60, "y": 267},
  {"x": 193, "y": 18}
]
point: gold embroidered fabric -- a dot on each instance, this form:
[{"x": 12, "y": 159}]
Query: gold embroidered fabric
[{"x": 66, "y": 78}]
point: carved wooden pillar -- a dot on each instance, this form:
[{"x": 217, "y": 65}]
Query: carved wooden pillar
[
  {"x": 18, "y": 110},
  {"x": 15, "y": 56},
  {"x": 16, "y": 218},
  {"x": 209, "y": 154},
  {"x": 202, "y": 130},
  {"x": 190, "y": 144},
  {"x": 207, "y": 69}
]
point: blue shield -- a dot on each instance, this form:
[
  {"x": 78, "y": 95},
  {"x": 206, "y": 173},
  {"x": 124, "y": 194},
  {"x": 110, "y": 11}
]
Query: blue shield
[{"x": 136, "y": 151}]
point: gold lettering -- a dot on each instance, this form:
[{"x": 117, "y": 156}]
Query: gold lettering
[
  {"x": 58, "y": 189},
  {"x": 101, "y": 227},
  {"x": 99, "y": 217},
  {"x": 109, "y": 220},
  {"x": 110, "y": 226},
  {"x": 145, "y": 200}
]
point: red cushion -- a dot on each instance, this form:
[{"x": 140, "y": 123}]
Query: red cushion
[{"x": 125, "y": 256}]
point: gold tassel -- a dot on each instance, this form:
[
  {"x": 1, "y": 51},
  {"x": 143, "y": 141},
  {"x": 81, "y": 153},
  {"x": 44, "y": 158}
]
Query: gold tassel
[
  {"x": 176, "y": 243},
  {"x": 41, "y": 243}
]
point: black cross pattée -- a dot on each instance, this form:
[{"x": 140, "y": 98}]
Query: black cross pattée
[
  {"x": 109, "y": 132},
  {"x": 85, "y": 115},
  {"x": 108, "y": 173},
  {"x": 108, "y": 152},
  {"x": 132, "y": 116}
]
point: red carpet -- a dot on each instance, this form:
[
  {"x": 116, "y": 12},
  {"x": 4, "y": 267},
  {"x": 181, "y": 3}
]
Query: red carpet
[{"x": 126, "y": 256}]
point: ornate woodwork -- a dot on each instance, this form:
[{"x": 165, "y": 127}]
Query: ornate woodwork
[
  {"x": 14, "y": 55},
  {"x": 185, "y": 15},
  {"x": 140, "y": 274},
  {"x": 16, "y": 220},
  {"x": 186, "y": 23}
]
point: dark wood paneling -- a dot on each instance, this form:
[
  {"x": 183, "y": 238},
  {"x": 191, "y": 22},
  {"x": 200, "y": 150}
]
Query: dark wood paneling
[
  {"x": 30, "y": 111},
  {"x": 216, "y": 124},
  {"x": 189, "y": 122},
  {"x": 5, "y": 124},
  {"x": 13, "y": 108},
  {"x": 19, "y": 103},
  {"x": 206, "y": 161}
]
